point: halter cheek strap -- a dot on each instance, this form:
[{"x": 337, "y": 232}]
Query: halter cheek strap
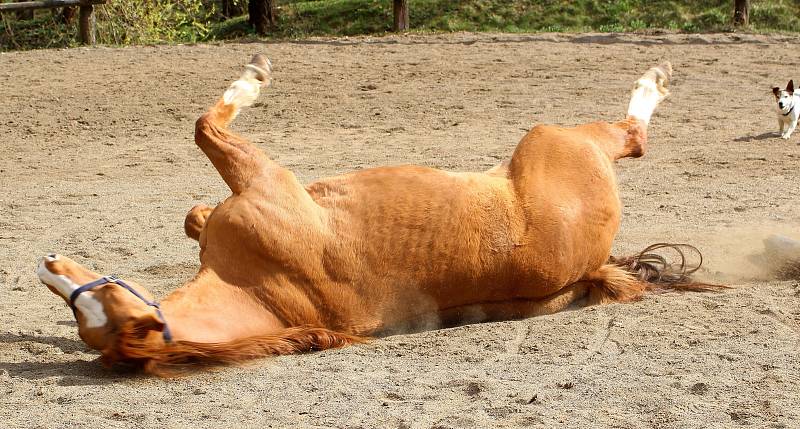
[{"x": 113, "y": 279}]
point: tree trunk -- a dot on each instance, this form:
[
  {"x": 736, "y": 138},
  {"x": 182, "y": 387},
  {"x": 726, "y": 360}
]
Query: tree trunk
[
  {"x": 741, "y": 13},
  {"x": 262, "y": 15},
  {"x": 400, "y": 15},
  {"x": 232, "y": 8}
]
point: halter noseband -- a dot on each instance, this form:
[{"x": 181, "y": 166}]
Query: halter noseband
[{"x": 113, "y": 279}]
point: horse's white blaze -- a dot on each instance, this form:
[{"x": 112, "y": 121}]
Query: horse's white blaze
[
  {"x": 90, "y": 307},
  {"x": 644, "y": 99}
]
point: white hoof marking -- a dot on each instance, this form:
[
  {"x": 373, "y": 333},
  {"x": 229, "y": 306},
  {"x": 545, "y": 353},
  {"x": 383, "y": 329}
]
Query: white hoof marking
[{"x": 644, "y": 99}]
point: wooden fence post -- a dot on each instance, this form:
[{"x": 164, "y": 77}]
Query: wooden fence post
[
  {"x": 741, "y": 13},
  {"x": 87, "y": 21},
  {"x": 67, "y": 15},
  {"x": 24, "y": 14},
  {"x": 401, "y": 15}
]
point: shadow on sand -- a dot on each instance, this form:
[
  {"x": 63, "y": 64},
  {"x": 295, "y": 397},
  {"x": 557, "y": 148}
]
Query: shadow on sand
[
  {"x": 77, "y": 372},
  {"x": 763, "y": 136}
]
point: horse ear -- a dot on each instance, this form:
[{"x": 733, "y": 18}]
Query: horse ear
[
  {"x": 790, "y": 87},
  {"x": 776, "y": 91},
  {"x": 142, "y": 326}
]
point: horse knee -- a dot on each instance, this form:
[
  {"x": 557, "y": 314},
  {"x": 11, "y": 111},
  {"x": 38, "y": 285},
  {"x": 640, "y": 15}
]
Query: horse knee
[{"x": 195, "y": 220}]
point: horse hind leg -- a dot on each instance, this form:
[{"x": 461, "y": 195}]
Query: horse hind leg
[
  {"x": 520, "y": 308},
  {"x": 608, "y": 284},
  {"x": 628, "y": 279},
  {"x": 628, "y": 138},
  {"x": 648, "y": 91},
  {"x": 611, "y": 283}
]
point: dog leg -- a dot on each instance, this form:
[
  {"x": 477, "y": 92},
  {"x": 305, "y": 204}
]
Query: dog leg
[{"x": 789, "y": 131}]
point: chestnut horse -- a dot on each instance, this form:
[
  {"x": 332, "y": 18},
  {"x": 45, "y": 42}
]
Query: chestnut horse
[{"x": 286, "y": 268}]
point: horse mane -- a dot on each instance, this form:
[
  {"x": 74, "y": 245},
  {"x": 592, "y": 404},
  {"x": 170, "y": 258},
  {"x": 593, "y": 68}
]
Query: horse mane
[{"x": 136, "y": 347}]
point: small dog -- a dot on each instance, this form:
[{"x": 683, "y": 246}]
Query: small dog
[{"x": 788, "y": 109}]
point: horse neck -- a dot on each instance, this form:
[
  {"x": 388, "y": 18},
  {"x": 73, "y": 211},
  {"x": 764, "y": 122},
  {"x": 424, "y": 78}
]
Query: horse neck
[{"x": 210, "y": 310}]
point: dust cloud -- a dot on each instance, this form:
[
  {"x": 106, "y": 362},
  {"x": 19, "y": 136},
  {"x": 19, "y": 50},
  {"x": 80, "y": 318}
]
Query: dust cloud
[{"x": 745, "y": 253}]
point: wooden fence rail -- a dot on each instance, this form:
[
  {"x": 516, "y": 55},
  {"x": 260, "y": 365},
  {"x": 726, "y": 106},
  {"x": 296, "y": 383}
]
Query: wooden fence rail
[{"x": 87, "y": 19}]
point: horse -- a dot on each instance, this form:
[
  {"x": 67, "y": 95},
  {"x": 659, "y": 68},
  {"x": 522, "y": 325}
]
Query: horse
[{"x": 288, "y": 268}]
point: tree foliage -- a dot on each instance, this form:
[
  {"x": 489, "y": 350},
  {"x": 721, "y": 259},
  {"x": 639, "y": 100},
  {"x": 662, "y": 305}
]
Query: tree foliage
[{"x": 122, "y": 22}]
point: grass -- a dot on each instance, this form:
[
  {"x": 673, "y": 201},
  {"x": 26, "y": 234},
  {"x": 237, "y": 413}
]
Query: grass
[
  {"x": 162, "y": 21},
  {"x": 353, "y": 17}
]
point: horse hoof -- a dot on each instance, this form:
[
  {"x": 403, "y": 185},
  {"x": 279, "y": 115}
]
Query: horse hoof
[{"x": 262, "y": 67}]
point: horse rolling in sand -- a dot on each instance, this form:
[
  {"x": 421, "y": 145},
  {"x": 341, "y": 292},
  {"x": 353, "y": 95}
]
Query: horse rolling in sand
[{"x": 286, "y": 268}]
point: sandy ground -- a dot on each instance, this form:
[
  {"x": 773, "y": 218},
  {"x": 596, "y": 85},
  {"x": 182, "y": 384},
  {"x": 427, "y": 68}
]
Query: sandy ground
[{"x": 97, "y": 162}]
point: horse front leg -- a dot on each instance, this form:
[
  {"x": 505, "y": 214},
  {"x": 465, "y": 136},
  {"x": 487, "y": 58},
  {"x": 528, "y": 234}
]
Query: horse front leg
[{"x": 238, "y": 161}]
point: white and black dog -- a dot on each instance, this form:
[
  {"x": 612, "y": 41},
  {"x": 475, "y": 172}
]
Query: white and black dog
[{"x": 788, "y": 109}]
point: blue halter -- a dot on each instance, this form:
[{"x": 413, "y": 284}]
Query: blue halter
[{"x": 113, "y": 279}]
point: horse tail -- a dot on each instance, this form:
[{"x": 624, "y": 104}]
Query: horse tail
[{"x": 628, "y": 278}]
